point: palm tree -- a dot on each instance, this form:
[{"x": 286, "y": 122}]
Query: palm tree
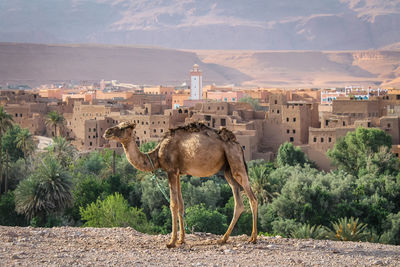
[
  {"x": 63, "y": 151},
  {"x": 53, "y": 119},
  {"x": 45, "y": 192},
  {"x": 5, "y": 124},
  {"x": 26, "y": 143},
  {"x": 258, "y": 175}
]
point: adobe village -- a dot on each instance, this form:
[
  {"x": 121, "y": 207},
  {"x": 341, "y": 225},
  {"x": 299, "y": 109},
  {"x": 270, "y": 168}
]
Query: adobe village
[{"x": 261, "y": 118}]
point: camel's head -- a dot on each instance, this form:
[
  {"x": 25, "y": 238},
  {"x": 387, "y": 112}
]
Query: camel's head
[{"x": 121, "y": 132}]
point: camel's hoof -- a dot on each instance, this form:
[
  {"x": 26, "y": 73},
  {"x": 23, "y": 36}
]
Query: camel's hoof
[
  {"x": 252, "y": 240},
  {"x": 221, "y": 241},
  {"x": 170, "y": 245},
  {"x": 180, "y": 242}
]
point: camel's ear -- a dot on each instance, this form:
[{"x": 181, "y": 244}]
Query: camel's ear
[{"x": 127, "y": 125}]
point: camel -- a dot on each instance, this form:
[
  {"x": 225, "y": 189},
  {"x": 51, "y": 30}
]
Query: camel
[{"x": 196, "y": 150}]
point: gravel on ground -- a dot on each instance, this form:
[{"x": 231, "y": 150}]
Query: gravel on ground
[{"x": 72, "y": 246}]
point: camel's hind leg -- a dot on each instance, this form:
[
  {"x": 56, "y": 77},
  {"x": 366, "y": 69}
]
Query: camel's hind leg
[
  {"x": 239, "y": 207},
  {"x": 236, "y": 162}
]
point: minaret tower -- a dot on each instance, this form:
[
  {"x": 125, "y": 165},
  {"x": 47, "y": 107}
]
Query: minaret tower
[{"x": 196, "y": 83}]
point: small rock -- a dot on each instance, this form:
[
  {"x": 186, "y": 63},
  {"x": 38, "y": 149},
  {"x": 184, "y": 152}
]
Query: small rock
[
  {"x": 377, "y": 262},
  {"x": 15, "y": 257},
  {"x": 271, "y": 246}
]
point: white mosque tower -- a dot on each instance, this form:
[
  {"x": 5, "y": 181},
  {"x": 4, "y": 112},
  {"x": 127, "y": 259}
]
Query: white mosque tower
[{"x": 196, "y": 83}]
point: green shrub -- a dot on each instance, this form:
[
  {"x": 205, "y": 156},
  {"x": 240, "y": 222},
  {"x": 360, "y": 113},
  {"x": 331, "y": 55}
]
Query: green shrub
[
  {"x": 114, "y": 211},
  {"x": 8, "y": 215},
  {"x": 392, "y": 227},
  {"x": 201, "y": 219},
  {"x": 305, "y": 231},
  {"x": 284, "y": 227}
]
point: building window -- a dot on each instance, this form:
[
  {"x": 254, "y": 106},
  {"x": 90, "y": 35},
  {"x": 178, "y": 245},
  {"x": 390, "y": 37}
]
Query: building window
[
  {"x": 388, "y": 125},
  {"x": 16, "y": 114},
  {"x": 369, "y": 124},
  {"x": 223, "y": 122},
  {"x": 294, "y": 119},
  {"x": 329, "y": 139},
  {"x": 315, "y": 139},
  {"x": 154, "y": 130},
  {"x": 344, "y": 123},
  {"x": 144, "y": 132},
  {"x": 244, "y": 147},
  {"x": 322, "y": 139},
  {"x": 89, "y": 136},
  {"x": 326, "y": 122},
  {"x": 287, "y": 119},
  {"x": 276, "y": 102},
  {"x": 294, "y": 131},
  {"x": 291, "y": 139},
  {"x": 89, "y": 130},
  {"x": 287, "y": 131},
  {"x": 90, "y": 144},
  {"x": 277, "y": 111},
  {"x": 161, "y": 130},
  {"x": 94, "y": 136}
]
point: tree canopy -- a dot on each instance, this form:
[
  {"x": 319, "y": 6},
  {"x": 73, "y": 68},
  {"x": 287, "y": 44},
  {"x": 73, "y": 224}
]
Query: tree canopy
[{"x": 356, "y": 150}]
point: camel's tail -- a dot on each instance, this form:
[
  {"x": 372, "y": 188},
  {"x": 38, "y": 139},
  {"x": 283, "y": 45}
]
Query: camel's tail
[{"x": 245, "y": 164}]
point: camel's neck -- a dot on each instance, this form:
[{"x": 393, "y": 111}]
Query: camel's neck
[{"x": 138, "y": 159}]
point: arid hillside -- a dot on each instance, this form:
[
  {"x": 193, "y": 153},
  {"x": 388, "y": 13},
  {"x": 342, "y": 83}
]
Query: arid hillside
[
  {"x": 311, "y": 68},
  {"x": 34, "y": 64},
  {"x": 69, "y": 246}
]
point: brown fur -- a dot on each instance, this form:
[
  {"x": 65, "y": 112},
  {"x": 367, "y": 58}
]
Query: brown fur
[{"x": 194, "y": 127}]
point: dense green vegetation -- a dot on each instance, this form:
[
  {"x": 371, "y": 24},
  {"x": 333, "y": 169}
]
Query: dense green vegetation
[{"x": 360, "y": 200}]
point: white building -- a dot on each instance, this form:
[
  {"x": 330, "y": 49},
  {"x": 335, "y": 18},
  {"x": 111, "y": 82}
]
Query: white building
[{"x": 196, "y": 83}]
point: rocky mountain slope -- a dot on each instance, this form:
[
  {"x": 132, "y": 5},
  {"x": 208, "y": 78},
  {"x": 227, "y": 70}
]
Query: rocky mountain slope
[
  {"x": 67, "y": 246},
  {"x": 205, "y": 24}
]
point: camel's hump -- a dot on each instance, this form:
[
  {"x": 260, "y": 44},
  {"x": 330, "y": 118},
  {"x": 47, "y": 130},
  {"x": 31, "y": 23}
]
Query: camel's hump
[{"x": 193, "y": 127}]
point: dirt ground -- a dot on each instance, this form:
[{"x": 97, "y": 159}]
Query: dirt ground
[{"x": 70, "y": 246}]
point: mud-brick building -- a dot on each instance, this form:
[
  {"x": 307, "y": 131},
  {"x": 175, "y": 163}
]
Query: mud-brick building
[
  {"x": 29, "y": 115},
  {"x": 288, "y": 121},
  {"x": 18, "y": 97}
]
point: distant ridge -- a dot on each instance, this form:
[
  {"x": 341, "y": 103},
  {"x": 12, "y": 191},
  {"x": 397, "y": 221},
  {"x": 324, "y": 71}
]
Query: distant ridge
[
  {"x": 34, "y": 64},
  {"x": 41, "y": 63}
]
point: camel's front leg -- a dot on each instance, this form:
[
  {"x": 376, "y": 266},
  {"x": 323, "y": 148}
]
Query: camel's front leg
[
  {"x": 173, "y": 189},
  {"x": 181, "y": 210}
]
